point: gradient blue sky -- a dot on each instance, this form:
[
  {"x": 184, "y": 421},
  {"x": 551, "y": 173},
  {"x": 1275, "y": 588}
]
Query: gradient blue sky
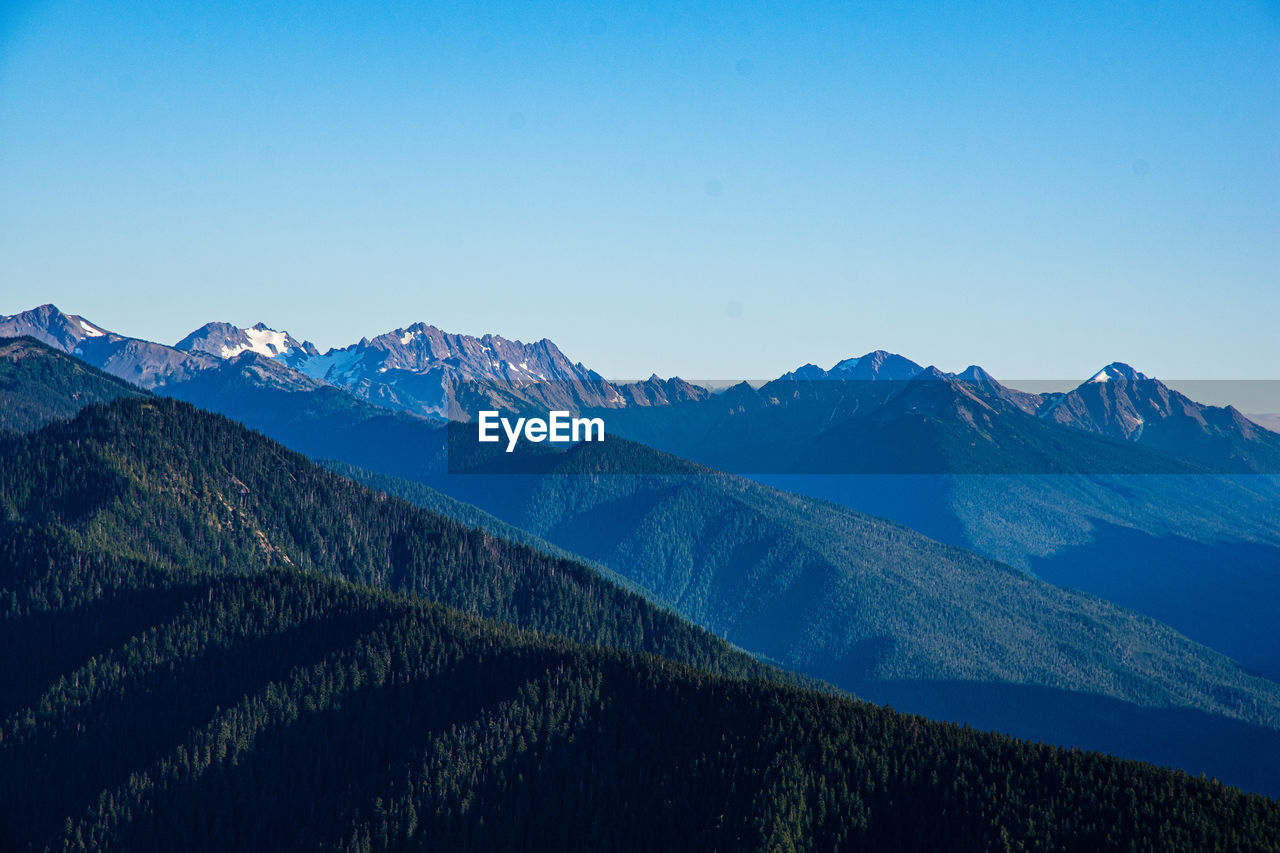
[{"x": 704, "y": 189}]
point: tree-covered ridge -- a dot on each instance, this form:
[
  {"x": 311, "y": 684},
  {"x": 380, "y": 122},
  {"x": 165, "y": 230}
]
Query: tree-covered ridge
[
  {"x": 159, "y": 481},
  {"x": 421, "y": 495},
  {"x": 843, "y": 596},
  {"x": 39, "y": 385},
  {"x": 282, "y": 710}
]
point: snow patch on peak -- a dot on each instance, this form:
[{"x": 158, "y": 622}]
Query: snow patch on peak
[
  {"x": 261, "y": 340},
  {"x": 267, "y": 341},
  {"x": 90, "y": 331},
  {"x": 336, "y": 365},
  {"x": 1117, "y": 371},
  {"x": 524, "y": 365}
]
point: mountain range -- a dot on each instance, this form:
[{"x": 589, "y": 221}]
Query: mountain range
[
  {"x": 884, "y": 414},
  {"x": 880, "y": 409},
  {"x": 808, "y": 420},
  {"x": 214, "y": 644},
  {"x": 419, "y": 369}
]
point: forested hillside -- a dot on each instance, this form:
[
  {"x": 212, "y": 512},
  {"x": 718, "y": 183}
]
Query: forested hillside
[
  {"x": 421, "y": 495},
  {"x": 1197, "y": 552},
  {"x": 845, "y": 596},
  {"x": 886, "y": 613},
  {"x": 39, "y": 385},
  {"x": 158, "y": 480},
  {"x": 276, "y": 709}
]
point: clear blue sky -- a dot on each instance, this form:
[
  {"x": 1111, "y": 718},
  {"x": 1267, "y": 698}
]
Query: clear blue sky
[{"x": 707, "y": 189}]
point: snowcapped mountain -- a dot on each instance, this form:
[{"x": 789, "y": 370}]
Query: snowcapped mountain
[
  {"x": 50, "y": 326},
  {"x": 1112, "y": 402},
  {"x": 143, "y": 363},
  {"x": 419, "y": 369},
  {"x": 1120, "y": 403},
  {"x": 227, "y": 341},
  {"x": 1117, "y": 371},
  {"x": 421, "y": 348},
  {"x": 425, "y": 370}
]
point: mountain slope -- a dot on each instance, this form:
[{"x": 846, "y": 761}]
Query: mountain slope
[
  {"x": 161, "y": 481},
  {"x": 1198, "y": 552},
  {"x": 255, "y": 389},
  {"x": 931, "y": 424},
  {"x": 421, "y": 495},
  {"x": 1150, "y": 518},
  {"x": 938, "y": 424},
  {"x": 874, "y": 366},
  {"x": 199, "y": 730},
  {"x": 227, "y": 341},
  {"x": 424, "y": 370},
  {"x": 844, "y": 596},
  {"x": 313, "y": 417},
  {"x": 883, "y": 612},
  {"x": 419, "y": 370},
  {"x": 50, "y": 326},
  {"x": 882, "y": 413},
  {"x": 1122, "y": 403},
  {"x": 143, "y": 363},
  {"x": 39, "y": 385}
]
